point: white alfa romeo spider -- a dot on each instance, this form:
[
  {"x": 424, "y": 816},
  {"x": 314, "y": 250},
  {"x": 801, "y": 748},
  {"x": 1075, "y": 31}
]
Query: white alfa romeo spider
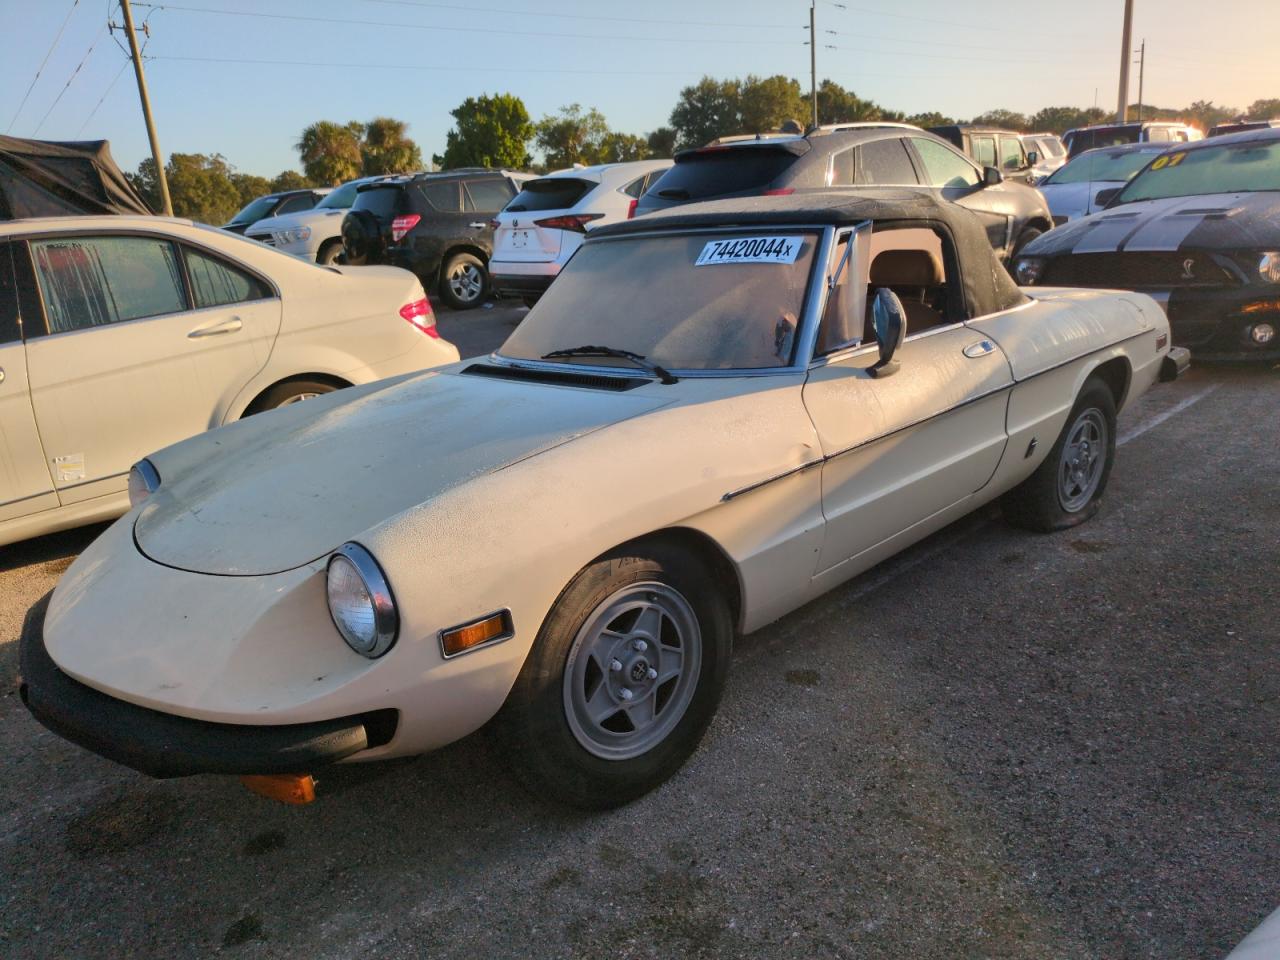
[{"x": 712, "y": 416}]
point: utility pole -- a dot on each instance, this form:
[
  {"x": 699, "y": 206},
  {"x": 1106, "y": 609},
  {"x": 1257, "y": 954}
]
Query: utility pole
[
  {"x": 1126, "y": 41},
  {"x": 1142, "y": 69},
  {"x": 813, "y": 60},
  {"x": 146, "y": 108}
]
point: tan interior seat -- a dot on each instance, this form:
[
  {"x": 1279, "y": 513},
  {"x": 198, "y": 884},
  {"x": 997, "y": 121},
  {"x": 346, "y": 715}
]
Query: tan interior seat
[{"x": 917, "y": 278}]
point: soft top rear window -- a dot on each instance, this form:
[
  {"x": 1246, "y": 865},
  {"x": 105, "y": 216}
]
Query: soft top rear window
[
  {"x": 382, "y": 202},
  {"x": 550, "y": 193},
  {"x": 713, "y": 173}
]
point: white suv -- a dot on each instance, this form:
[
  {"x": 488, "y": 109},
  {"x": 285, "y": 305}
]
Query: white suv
[
  {"x": 316, "y": 234},
  {"x": 544, "y": 224}
]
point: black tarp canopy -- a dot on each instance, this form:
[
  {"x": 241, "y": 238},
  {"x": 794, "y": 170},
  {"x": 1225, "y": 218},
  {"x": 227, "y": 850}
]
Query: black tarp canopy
[{"x": 47, "y": 178}]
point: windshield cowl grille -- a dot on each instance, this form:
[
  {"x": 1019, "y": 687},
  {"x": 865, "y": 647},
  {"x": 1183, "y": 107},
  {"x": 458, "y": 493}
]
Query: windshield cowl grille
[{"x": 559, "y": 378}]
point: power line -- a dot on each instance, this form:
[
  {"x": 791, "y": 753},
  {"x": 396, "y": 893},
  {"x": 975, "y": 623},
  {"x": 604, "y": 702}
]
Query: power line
[
  {"x": 123, "y": 67},
  {"x": 436, "y": 28},
  {"x": 58, "y": 37},
  {"x": 582, "y": 16},
  {"x": 74, "y": 74},
  {"x": 449, "y": 69}
]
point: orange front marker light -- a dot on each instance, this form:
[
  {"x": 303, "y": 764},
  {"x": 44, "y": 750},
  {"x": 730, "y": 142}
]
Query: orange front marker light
[
  {"x": 468, "y": 636},
  {"x": 296, "y": 789}
]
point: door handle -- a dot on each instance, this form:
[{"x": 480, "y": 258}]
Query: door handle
[
  {"x": 1, "y": 374},
  {"x": 979, "y": 349},
  {"x": 478, "y": 224},
  {"x": 213, "y": 329}
]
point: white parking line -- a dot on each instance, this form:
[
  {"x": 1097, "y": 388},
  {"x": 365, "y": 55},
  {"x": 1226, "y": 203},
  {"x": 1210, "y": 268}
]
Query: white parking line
[
  {"x": 1160, "y": 418},
  {"x": 1262, "y": 944}
]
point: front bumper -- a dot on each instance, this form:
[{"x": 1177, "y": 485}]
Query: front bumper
[
  {"x": 164, "y": 745},
  {"x": 1216, "y": 324},
  {"x": 1175, "y": 363}
]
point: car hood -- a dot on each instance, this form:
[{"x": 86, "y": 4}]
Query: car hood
[
  {"x": 1218, "y": 221},
  {"x": 303, "y": 218},
  {"x": 282, "y": 489},
  {"x": 1075, "y": 199}
]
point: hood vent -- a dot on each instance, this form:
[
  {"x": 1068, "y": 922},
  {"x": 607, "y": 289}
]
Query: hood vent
[{"x": 557, "y": 378}]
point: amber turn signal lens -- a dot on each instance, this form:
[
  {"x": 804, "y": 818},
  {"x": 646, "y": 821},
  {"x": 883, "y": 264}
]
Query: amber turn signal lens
[
  {"x": 285, "y": 787},
  {"x": 496, "y": 626},
  {"x": 1261, "y": 306}
]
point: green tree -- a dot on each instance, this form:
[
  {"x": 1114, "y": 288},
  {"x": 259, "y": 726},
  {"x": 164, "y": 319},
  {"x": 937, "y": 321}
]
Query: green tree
[
  {"x": 622, "y": 148},
  {"x": 704, "y": 111},
  {"x": 289, "y": 180},
  {"x": 1004, "y": 119},
  {"x": 1264, "y": 110},
  {"x": 661, "y": 143},
  {"x": 838, "y": 105},
  {"x": 201, "y": 186},
  {"x": 330, "y": 152},
  {"x": 929, "y": 119},
  {"x": 764, "y": 103},
  {"x": 250, "y": 187},
  {"x": 386, "y": 148},
  {"x": 1204, "y": 114},
  {"x": 491, "y": 131},
  {"x": 572, "y": 136}
]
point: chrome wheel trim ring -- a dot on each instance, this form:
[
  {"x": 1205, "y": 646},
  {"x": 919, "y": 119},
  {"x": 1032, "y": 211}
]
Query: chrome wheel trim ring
[
  {"x": 466, "y": 281},
  {"x": 298, "y": 398},
  {"x": 632, "y": 670},
  {"x": 1084, "y": 457}
]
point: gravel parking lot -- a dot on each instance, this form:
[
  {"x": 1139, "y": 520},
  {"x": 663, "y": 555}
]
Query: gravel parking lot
[{"x": 998, "y": 744}]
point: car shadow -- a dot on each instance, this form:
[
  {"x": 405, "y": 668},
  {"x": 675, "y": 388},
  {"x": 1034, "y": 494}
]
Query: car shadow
[{"x": 64, "y": 545}]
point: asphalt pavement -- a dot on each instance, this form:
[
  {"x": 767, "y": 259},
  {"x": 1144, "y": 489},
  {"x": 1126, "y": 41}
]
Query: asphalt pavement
[{"x": 998, "y": 744}]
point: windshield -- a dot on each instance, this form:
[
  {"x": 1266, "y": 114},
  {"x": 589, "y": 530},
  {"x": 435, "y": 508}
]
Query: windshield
[
  {"x": 1231, "y": 168},
  {"x": 705, "y": 301},
  {"x": 340, "y": 199},
  {"x": 254, "y": 211},
  {"x": 1116, "y": 165}
]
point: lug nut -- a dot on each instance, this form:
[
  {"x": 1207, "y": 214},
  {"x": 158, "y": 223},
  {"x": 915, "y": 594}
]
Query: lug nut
[
  {"x": 625, "y": 693},
  {"x": 639, "y": 646},
  {"x": 615, "y": 665},
  {"x": 653, "y": 674}
]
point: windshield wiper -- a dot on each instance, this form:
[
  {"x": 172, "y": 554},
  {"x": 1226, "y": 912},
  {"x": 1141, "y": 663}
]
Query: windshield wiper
[{"x": 589, "y": 350}]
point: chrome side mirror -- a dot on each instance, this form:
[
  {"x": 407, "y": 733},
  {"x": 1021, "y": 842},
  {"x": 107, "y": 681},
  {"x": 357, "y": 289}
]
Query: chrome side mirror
[{"x": 890, "y": 320}]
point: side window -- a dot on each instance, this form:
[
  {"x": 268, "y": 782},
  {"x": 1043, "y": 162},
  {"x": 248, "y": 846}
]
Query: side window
[
  {"x": 93, "y": 281},
  {"x": 488, "y": 196},
  {"x": 443, "y": 195},
  {"x": 214, "y": 283},
  {"x": 883, "y": 161},
  {"x": 912, "y": 262},
  {"x": 984, "y": 151},
  {"x": 652, "y": 178},
  {"x": 10, "y": 329},
  {"x": 302, "y": 201},
  {"x": 1158, "y": 134},
  {"x": 1011, "y": 155},
  {"x": 634, "y": 188},
  {"x": 842, "y": 168},
  {"x": 944, "y": 167}
]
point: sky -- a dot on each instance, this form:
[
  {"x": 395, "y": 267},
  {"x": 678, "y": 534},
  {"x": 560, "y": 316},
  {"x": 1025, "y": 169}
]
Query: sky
[{"x": 243, "y": 78}]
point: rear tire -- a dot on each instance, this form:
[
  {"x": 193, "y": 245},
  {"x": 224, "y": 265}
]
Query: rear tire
[
  {"x": 464, "y": 282},
  {"x": 291, "y": 391},
  {"x": 649, "y": 620},
  {"x": 1026, "y": 236},
  {"x": 1066, "y": 489}
]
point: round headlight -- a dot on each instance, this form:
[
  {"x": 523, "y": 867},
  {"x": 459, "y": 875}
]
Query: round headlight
[
  {"x": 1262, "y": 333},
  {"x": 360, "y": 601},
  {"x": 1028, "y": 271},
  {"x": 1269, "y": 267},
  {"x": 143, "y": 481}
]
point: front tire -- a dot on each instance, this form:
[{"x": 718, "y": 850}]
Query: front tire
[
  {"x": 623, "y": 678},
  {"x": 329, "y": 253},
  {"x": 1025, "y": 237},
  {"x": 1066, "y": 489},
  {"x": 464, "y": 281}
]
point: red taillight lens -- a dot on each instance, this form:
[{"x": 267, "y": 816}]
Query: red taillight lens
[
  {"x": 780, "y": 192},
  {"x": 419, "y": 314},
  {"x": 631, "y": 208},
  {"x": 577, "y": 222},
  {"x": 402, "y": 225}
]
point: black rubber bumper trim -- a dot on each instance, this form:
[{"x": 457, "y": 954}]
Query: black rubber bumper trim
[
  {"x": 1174, "y": 364},
  {"x": 163, "y": 745}
]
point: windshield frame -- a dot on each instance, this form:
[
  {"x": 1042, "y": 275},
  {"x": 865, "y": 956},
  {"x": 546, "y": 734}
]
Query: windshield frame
[{"x": 809, "y": 315}]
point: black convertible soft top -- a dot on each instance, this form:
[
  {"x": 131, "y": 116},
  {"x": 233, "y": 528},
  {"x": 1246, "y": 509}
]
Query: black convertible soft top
[
  {"x": 987, "y": 285},
  {"x": 46, "y": 178}
]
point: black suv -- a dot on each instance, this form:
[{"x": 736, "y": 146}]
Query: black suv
[
  {"x": 1014, "y": 214},
  {"x": 435, "y": 224},
  {"x": 273, "y": 205}
]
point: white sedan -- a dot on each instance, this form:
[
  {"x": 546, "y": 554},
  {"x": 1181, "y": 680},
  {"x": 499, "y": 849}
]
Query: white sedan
[
  {"x": 119, "y": 335},
  {"x": 695, "y": 431}
]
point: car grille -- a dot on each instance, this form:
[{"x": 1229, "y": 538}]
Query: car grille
[
  {"x": 1126, "y": 271},
  {"x": 266, "y": 238}
]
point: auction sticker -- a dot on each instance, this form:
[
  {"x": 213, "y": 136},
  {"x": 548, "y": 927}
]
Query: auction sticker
[{"x": 750, "y": 250}]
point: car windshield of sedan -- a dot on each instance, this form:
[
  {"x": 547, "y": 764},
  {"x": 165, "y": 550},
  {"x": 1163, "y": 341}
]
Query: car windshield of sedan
[
  {"x": 1101, "y": 165},
  {"x": 700, "y": 301},
  {"x": 1231, "y": 168},
  {"x": 254, "y": 211}
]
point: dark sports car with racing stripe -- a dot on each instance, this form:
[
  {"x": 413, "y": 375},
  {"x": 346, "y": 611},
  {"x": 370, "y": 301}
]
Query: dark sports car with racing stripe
[{"x": 1198, "y": 229}]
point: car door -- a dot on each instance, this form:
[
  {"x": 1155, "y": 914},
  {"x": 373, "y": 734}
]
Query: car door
[
  {"x": 482, "y": 199},
  {"x": 962, "y": 182},
  {"x": 899, "y": 449},
  {"x": 25, "y": 484},
  {"x": 127, "y": 361},
  {"x": 1013, "y": 159}
]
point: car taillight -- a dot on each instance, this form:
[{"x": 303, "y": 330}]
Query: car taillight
[
  {"x": 495, "y": 223},
  {"x": 402, "y": 225},
  {"x": 419, "y": 314},
  {"x": 577, "y": 222},
  {"x": 631, "y": 209},
  {"x": 780, "y": 192}
]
